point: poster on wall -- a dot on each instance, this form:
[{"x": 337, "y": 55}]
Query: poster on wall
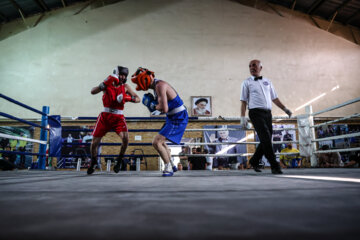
[
  {"x": 224, "y": 135},
  {"x": 281, "y": 134},
  {"x": 201, "y": 106},
  {"x": 21, "y": 161}
]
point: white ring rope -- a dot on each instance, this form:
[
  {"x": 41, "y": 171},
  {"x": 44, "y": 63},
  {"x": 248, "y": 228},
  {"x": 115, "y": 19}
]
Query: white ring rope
[
  {"x": 229, "y": 143},
  {"x": 226, "y": 155},
  {"x": 337, "y": 106},
  {"x": 230, "y": 129},
  {"x": 22, "y": 138},
  {"x": 339, "y": 150},
  {"x": 337, "y": 120},
  {"x": 337, "y": 137}
]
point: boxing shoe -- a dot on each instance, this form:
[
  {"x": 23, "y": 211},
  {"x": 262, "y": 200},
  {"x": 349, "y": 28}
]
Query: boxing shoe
[
  {"x": 255, "y": 166},
  {"x": 167, "y": 174},
  {"x": 174, "y": 168},
  {"x": 168, "y": 170},
  {"x": 118, "y": 165},
  {"x": 91, "y": 168},
  {"x": 117, "y": 168}
]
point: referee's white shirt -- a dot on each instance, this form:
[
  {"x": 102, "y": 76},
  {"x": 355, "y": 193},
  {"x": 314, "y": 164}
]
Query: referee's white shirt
[{"x": 258, "y": 94}]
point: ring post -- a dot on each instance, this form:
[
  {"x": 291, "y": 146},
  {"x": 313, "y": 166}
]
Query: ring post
[
  {"x": 313, "y": 159},
  {"x": 43, "y": 137}
]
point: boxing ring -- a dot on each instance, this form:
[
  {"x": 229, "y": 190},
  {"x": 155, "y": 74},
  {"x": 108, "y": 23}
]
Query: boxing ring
[
  {"x": 303, "y": 203},
  {"x": 305, "y": 130}
]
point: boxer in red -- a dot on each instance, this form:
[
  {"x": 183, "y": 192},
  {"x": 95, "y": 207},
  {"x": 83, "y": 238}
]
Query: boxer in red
[{"x": 115, "y": 93}]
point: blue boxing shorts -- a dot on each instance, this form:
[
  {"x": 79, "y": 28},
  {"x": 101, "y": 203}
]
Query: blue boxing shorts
[{"x": 175, "y": 126}]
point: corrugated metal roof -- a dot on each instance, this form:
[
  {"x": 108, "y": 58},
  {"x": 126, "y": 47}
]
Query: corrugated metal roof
[{"x": 346, "y": 12}]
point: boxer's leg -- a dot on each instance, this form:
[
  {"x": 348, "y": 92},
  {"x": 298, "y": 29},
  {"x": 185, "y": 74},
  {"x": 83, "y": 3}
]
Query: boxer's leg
[
  {"x": 94, "y": 152},
  {"x": 161, "y": 147},
  {"x": 120, "y": 165}
]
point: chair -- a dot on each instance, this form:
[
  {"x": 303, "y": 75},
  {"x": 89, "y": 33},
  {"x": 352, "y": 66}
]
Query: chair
[{"x": 144, "y": 160}]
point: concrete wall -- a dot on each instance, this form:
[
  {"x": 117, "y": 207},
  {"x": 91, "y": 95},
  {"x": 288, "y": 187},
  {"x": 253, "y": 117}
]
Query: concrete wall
[{"x": 200, "y": 47}]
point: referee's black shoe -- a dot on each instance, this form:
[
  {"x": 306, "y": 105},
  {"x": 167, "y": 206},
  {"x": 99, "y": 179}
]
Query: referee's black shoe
[
  {"x": 276, "y": 171},
  {"x": 255, "y": 166}
]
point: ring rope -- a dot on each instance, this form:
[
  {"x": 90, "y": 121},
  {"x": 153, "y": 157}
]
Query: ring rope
[
  {"x": 337, "y": 120},
  {"x": 26, "y": 106},
  {"x": 337, "y": 137},
  {"x": 186, "y": 144},
  {"x": 22, "y": 120},
  {"x": 186, "y": 130},
  {"x": 337, "y": 106},
  {"x": 339, "y": 150},
  {"x": 22, "y": 138},
  {"x": 22, "y": 153}
]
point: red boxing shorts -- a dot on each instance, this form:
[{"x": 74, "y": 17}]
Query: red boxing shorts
[{"x": 107, "y": 122}]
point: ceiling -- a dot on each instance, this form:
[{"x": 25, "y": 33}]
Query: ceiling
[{"x": 346, "y": 12}]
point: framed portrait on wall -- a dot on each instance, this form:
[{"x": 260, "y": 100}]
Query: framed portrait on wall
[{"x": 201, "y": 106}]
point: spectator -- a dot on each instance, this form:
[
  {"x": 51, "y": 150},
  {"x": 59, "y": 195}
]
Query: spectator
[
  {"x": 184, "y": 159},
  {"x": 13, "y": 143},
  {"x": 8, "y": 160},
  {"x": 4, "y": 143},
  {"x": 331, "y": 159},
  {"x": 69, "y": 138},
  {"x": 197, "y": 162},
  {"x": 290, "y": 161},
  {"x": 180, "y": 167},
  {"x": 22, "y": 148},
  {"x": 354, "y": 160}
]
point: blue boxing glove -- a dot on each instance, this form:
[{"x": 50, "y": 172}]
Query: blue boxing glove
[{"x": 149, "y": 101}]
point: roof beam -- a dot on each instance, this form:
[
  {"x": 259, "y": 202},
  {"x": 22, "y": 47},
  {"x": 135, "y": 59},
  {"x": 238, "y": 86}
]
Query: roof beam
[
  {"x": 353, "y": 35},
  {"x": 85, "y": 6},
  {"x": 42, "y": 5},
  {"x": 340, "y": 8},
  {"x": 274, "y": 9},
  {"x": 352, "y": 17},
  {"x": 315, "y": 6},
  {"x": 3, "y": 17},
  {"x": 16, "y": 5}
]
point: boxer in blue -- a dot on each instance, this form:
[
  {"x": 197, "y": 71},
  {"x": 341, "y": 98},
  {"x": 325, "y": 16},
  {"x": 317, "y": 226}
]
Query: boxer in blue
[{"x": 165, "y": 100}]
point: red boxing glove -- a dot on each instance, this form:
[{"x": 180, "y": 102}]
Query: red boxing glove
[
  {"x": 110, "y": 79},
  {"x": 129, "y": 98}
]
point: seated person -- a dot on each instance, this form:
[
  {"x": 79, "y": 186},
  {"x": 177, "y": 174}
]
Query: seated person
[
  {"x": 184, "y": 159},
  {"x": 8, "y": 160},
  {"x": 331, "y": 159},
  {"x": 180, "y": 167},
  {"x": 354, "y": 160},
  {"x": 197, "y": 163},
  {"x": 290, "y": 161}
]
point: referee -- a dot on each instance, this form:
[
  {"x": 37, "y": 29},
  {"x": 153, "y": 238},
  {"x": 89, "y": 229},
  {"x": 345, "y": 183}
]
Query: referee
[{"x": 257, "y": 92}]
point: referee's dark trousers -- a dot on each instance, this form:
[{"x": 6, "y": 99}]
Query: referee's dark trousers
[{"x": 262, "y": 121}]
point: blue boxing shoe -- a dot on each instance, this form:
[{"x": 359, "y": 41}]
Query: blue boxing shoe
[
  {"x": 168, "y": 171},
  {"x": 174, "y": 168}
]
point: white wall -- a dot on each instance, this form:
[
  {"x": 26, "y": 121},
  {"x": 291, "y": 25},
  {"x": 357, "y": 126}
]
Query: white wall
[{"x": 200, "y": 47}]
